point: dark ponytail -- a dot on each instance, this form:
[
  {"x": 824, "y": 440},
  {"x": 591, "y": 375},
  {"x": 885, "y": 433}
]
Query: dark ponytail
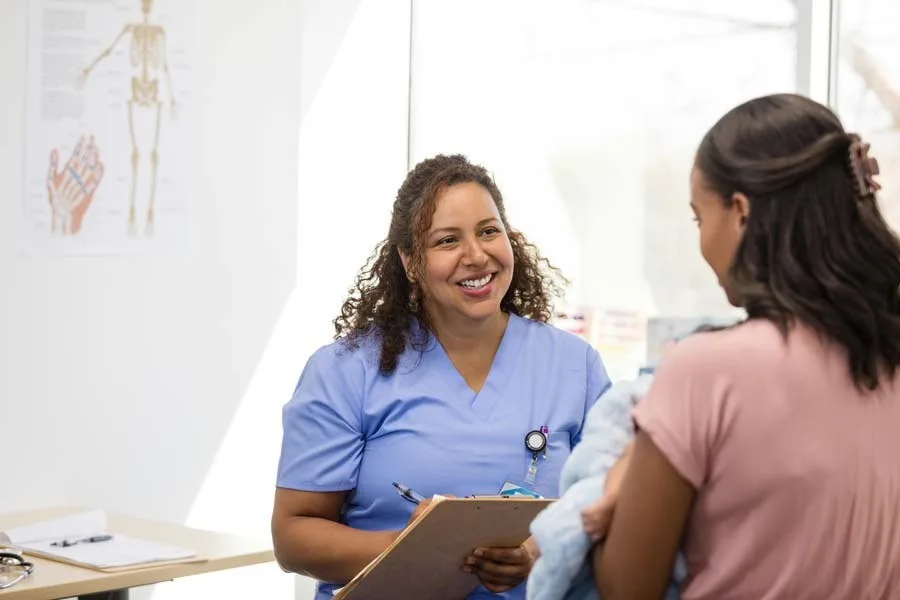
[{"x": 815, "y": 247}]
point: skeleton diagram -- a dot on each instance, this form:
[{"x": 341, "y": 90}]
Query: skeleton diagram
[{"x": 147, "y": 58}]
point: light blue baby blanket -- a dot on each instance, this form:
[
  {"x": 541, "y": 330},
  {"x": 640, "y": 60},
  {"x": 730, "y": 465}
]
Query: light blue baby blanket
[{"x": 562, "y": 572}]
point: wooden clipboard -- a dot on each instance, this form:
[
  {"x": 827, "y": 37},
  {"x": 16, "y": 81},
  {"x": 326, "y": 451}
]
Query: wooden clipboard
[{"x": 426, "y": 559}]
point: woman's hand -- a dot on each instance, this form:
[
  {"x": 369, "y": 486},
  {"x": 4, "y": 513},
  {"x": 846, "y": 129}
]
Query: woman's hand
[
  {"x": 70, "y": 190},
  {"x": 500, "y": 569},
  {"x": 420, "y": 508},
  {"x": 597, "y": 517}
]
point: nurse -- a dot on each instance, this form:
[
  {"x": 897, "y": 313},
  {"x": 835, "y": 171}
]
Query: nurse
[{"x": 443, "y": 364}]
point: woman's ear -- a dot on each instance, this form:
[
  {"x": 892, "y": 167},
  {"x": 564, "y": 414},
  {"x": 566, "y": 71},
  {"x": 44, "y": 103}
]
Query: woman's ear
[{"x": 740, "y": 203}]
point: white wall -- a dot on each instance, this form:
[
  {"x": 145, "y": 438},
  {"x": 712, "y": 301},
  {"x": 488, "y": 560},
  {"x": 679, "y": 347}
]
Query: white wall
[
  {"x": 156, "y": 389},
  {"x": 124, "y": 373},
  {"x": 354, "y": 60}
]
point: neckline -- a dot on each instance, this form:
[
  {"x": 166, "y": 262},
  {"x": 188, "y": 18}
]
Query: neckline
[{"x": 502, "y": 366}]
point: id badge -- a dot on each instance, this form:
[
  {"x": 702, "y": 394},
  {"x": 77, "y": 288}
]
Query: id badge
[
  {"x": 536, "y": 445},
  {"x": 514, "y": 490}
]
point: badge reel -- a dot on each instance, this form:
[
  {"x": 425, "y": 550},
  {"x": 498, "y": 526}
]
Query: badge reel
[{"x": 536, "y": 442}]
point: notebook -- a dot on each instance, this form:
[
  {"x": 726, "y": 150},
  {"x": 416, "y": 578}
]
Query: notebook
[{"x": 69, "y": 539}]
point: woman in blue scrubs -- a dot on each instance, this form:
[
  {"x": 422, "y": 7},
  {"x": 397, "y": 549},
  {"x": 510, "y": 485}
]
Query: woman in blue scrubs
[{"x": 443, "y": 363}]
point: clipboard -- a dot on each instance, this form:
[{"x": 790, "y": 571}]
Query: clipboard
[
  {"x": 426, "y": 559},
  {"x": 139, "y": 563},
  {"x": 117, "y": 553}
]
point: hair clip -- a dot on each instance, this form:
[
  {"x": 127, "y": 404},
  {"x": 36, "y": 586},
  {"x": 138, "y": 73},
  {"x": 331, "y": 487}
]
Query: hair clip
[{"x": 863, "y": 167}]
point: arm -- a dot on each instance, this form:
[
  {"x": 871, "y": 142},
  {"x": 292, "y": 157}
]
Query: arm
[
  {"x": 616, "y": 475},
  {"x": 598, "y": 515},
  {"x": 637, "y": 559},
  {"x": 165, "y": 66},
  {"x": 87, "y": 70},
  {"x": 309, "y": 540},
  {"x": 321, "y": 451}
]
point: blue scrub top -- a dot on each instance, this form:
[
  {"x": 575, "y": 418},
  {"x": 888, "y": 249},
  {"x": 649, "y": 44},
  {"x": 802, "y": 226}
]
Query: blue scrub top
[{"x": 348, "y": 427}]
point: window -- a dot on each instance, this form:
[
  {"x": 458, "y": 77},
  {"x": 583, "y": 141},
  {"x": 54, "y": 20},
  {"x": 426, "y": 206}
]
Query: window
[
  {"x": 868, "y": 87},
  {"x": 588, "y": 113}
]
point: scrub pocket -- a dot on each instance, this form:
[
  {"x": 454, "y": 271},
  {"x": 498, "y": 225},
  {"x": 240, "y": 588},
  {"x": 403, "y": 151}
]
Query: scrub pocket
[{"x": 559, "y": 447}]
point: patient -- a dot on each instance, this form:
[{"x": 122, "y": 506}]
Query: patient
[{"x": 768, "y": 452}]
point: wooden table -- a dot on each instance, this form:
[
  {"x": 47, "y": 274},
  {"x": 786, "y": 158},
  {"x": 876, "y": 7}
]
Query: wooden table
[{"x": 52, "y": 579}]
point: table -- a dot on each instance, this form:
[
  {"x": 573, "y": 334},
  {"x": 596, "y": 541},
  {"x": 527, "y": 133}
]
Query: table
[{"x": 52, "y": 580}]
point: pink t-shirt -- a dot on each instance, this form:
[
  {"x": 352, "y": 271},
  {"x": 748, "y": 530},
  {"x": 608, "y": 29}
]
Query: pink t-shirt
[{"x": 797, "y": 472}]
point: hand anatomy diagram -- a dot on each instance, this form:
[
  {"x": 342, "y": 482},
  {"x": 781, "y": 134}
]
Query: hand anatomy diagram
[
  {"x": 147, "y": 59},
  {"x": 71, "y": 190}
]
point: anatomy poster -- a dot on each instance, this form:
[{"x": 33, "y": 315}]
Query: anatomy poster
[{"x": 108, "y": 150}]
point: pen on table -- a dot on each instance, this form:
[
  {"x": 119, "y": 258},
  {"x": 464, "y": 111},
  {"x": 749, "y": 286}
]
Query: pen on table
[
  {"x": 87, "y": 540},
  {"x": 408, "y": 494}
]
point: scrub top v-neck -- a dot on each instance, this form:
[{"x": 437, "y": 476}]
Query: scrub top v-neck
[
  {"x": 350, "y": 428},
  {"x": 502, "y": 367}
]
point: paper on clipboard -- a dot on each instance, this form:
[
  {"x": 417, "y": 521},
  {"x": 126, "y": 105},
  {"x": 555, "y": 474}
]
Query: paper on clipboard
[{"x": 425, "y": 561}]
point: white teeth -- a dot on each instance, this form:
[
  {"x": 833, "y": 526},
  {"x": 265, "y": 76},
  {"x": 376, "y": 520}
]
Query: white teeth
[{"x": 476, "y": 283}]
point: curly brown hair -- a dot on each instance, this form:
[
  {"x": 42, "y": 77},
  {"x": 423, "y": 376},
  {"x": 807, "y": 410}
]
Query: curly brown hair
[{"x": 380, "y": 300}]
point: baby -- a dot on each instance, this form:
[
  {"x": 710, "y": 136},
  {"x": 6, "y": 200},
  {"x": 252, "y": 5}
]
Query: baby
[
  {"x": 598, "y": 515},
  {"x": 567, "y": 530}
]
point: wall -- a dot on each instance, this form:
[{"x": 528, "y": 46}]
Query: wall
[
  {"x": 154, "y": 387},
  {"x": 354, "y": 59},
  {"x": 133, "y": 377}
]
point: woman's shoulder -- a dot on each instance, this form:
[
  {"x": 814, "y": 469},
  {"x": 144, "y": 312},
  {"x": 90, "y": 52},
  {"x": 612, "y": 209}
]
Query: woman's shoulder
[
  {"x": 362, "y": 350},
  {"x": 756, "y": 340}
]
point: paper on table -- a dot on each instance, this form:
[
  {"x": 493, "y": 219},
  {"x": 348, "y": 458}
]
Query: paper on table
[
  {"x": 120, "y": 551},
  {"x": 81, "y": 524}
]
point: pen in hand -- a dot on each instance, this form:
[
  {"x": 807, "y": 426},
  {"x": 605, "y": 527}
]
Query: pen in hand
[{"x": 407, "y": 494}]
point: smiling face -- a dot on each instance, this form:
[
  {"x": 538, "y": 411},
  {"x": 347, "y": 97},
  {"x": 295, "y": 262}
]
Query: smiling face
[
  {"x": 721, "y": 227},
  {"x": 468, "y": 259}
]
